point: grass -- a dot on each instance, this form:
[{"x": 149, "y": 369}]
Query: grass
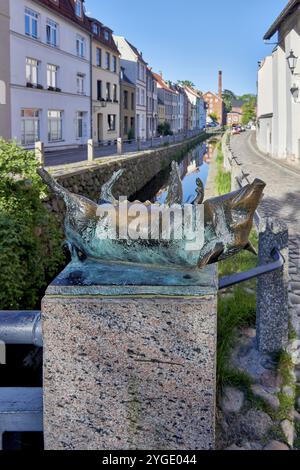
[
  {"x": 237, "y": 309},
  {"x": 223, "y": 178}
]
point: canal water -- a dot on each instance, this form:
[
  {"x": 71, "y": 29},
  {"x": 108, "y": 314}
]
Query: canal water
[{"x": 194, "y": 165}]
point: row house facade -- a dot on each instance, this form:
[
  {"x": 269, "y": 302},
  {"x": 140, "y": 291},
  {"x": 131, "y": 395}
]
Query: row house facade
[
  {"x": 5, "y": 108},
  {"x": 136, "y": 70},
  {"x": 127, "y": 126},
  {"x": 278, "y": 105},
  {"x": 105, "y": 84},
  {"x": 152, "y": 105},
  {"x": 169, "y": 97},
  {"x": 196, "y": 109},
  {"x": 49, "y": 72},
  {"x": 61, "y": 74}
]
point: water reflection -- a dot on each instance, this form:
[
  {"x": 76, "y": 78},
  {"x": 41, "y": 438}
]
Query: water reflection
[{"x": 193, "y": 166}]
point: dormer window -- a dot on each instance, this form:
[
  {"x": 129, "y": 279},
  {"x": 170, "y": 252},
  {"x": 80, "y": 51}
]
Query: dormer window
[
  {"x": 95, "y": 29},
  {"x": 78, "y": 8},
  {"x": 106, "y": 35}
]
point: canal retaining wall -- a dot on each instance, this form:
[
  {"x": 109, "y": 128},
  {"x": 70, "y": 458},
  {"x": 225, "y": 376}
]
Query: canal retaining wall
[{"x": 87, "y": 179}]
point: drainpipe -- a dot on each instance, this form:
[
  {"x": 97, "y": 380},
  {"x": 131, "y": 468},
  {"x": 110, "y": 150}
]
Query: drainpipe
[{"x": 21, "y": 327}]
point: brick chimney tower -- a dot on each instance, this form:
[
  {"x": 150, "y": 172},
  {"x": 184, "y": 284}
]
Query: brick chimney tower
[{"x": 220, "y": 84}]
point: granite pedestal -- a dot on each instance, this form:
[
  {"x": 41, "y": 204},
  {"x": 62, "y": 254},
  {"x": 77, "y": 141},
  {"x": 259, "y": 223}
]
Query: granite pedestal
[{"x": 130, "y": 365}]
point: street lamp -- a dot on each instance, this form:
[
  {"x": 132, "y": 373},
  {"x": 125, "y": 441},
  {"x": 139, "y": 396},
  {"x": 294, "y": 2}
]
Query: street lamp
[{"x": 292, "y": 61}]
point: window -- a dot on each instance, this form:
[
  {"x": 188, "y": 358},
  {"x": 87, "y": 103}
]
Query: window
[
  {"x": 108, "y": 98},
  {"x": 99, "y": 90},
  {"x": 111, "y": 118},
  {"x": 52, "y": 33},
  {"x": 142, "y": 97},
  {"x": 114, "y": 64},
  {"x": 115, "y": 93},
  {"x": 52, "y": 71},
  {"x": 80, "y": 43},
  {"x": 80, "y": 127},
  {"x": 125, "y": 101},
  {"x": 80, "y": 83},
  {"x": 132, "y": 101},
  {"x": 107, "y": 60},
  {"x": 32, "y": 71},
  {"x": 95, "y": 29},
  {"x": 106, "y": 35},
  {"x": 78, "y": 8},
  {"x": 98, "y": 57},
  {"x": 54, "y": 126},
  {"x": 30, "y": 126},
  {"x": 138, "y": 95},
  {"x": 31, "y": 23}
]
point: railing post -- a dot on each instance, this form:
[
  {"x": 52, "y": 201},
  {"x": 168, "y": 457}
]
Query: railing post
[
  {"x": 151, "y": 142},
  {"x": 119, "y": 146},
  {"x": 139, "y": 146},
  {"x": 39, "y": 152},
  {"x": 272, "y": 316},
  {"x": 90, "y": 150}
]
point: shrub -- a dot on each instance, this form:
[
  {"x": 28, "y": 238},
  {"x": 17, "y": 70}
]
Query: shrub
[
  {"x": 30, "y": 237},
  {"x": 131, "y": 134},
  {"x": 164, "y": 129}
]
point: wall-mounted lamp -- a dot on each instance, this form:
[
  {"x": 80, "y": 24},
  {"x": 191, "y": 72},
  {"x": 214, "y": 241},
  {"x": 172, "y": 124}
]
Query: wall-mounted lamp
[{"x": 292, "y": 61}]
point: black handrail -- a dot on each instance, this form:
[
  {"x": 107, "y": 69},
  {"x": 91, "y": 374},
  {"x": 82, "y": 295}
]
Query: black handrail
[{"x": 237, "y": 278}]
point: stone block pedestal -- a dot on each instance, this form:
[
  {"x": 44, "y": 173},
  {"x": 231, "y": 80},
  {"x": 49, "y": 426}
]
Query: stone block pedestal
[{"x": 130, "y": 366}]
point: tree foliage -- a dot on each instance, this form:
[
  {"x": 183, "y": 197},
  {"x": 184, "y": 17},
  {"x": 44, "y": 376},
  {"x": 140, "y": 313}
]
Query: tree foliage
[
  {"x": 187, "y": 83},
  {"x": 30, "y": 237},
  {"x": 164, "y": 128},
  {"x": 249, "y": 110},
  {"x": 228, "y": 96},
  {"x": 214, "y": 117}
]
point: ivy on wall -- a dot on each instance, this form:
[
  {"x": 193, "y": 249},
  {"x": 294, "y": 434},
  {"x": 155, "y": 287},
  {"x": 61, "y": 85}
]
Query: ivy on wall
[{"x": 31, "y": 251}]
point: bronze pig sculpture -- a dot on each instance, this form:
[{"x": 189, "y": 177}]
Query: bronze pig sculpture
[{"x": 228, "y": 221}]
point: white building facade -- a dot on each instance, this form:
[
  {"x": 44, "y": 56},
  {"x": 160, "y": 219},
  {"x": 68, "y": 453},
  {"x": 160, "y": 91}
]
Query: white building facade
[
  {"x": 50, "y": 74},
  {"x": 278, "y": 126},
  {"x": 136, "y": 70}
]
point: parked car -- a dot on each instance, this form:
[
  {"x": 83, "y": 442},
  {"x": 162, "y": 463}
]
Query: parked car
[{"x": 236, "y": 131}]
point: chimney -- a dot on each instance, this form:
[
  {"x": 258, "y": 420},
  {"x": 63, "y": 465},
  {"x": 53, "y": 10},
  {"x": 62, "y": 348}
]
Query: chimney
[{"x": 220, "y": 84}]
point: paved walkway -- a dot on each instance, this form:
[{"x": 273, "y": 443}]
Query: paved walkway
[{"x": 282, "y": 200}]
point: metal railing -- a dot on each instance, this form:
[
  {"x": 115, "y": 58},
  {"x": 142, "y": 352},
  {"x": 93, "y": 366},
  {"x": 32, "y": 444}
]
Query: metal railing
[{"x": 107, "y": 148}]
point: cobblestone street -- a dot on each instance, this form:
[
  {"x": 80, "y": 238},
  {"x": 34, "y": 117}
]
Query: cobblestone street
[{"x": 282, "y": 200}]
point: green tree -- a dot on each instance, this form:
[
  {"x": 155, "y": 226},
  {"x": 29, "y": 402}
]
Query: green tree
[
  {"x": 214, "y": 117},
  {"x": 31, "y": 251},
  {"x": 249, "y": 112},
  {"x": 164, "y": 128},
  {"x": 228, "y": 96},
  {"x": 187, "y": 83}
]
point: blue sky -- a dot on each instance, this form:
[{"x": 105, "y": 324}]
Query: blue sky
[{"x": 194, "y": 39}]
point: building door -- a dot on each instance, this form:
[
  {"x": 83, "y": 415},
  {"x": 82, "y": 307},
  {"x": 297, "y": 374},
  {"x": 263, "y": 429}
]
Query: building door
[{"x": 100, "y": 127}]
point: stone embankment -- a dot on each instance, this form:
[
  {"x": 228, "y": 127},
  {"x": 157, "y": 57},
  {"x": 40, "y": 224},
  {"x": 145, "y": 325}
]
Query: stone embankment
[{"x": 87, "y": 179}]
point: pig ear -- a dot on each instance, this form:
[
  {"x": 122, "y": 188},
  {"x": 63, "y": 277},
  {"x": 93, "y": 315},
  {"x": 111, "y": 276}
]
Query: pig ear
[
  {"x": 175, "y": 193},
  {"x": 249, "y": 247},
  {"x": 106, "y": 190}
]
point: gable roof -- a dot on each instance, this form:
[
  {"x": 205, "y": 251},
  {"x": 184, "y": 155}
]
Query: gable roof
[
  {"x": 288, "y": 10},
  {"x": 213, "y": 94},
  {"x": 66, "y": 9}
]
